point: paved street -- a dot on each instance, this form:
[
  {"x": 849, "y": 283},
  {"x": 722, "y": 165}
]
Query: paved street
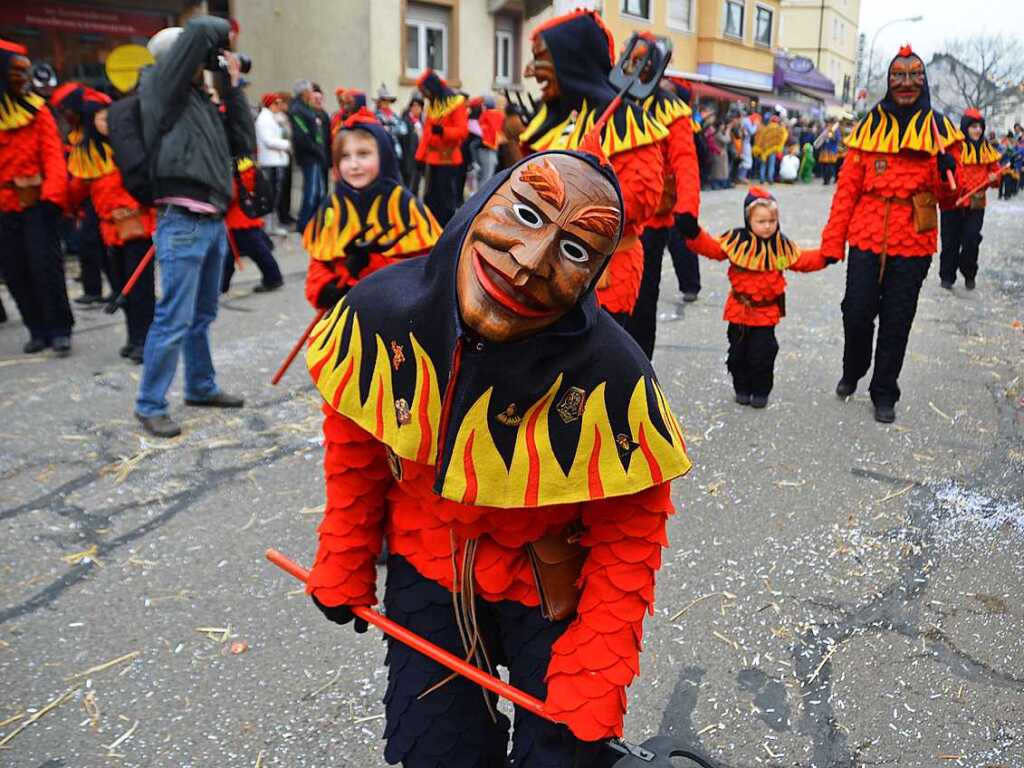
[{"x": 837, "y": 593}]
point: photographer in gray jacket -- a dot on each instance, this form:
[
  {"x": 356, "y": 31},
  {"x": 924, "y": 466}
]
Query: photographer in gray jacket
[{"x": 195, "y": 146}]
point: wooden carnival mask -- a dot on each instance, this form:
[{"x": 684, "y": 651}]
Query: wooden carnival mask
[
  {"x": 18, "y": 73},
  {"x": 542, "y": 69},
  {"x": 536, "y": 246},
  {"x": 906, "y": 79}
]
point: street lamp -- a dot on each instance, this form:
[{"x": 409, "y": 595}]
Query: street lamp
[{"x": 874, "y": 38}]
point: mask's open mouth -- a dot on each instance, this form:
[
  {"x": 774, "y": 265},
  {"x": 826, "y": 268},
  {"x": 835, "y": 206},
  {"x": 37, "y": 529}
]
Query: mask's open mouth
[{"x": 498, "y": 287}]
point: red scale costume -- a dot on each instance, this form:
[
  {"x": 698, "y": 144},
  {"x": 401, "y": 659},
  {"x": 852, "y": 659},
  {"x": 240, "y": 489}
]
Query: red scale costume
[
  {"x": 757, "y": 301},
  {"x": 885, "y": 209},
  {"x": 385, "y": 216},
  {"x": 445, "y": 127},
  {"x": 490, "y": 458},
  {"x": 126, "y": 226},
  {"x": 577, "y": 50},
  {"x": 962, "y": 224},
  {"x": 33, "y": 191}
]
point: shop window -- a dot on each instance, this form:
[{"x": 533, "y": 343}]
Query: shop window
[
  {"x": 734, "y": 18},
  {"x": 641, "y": 9},
  {"x": 763, "y": 26},
  {"x": 680, "y": 14},
  {"x": 426, "y": 39}
]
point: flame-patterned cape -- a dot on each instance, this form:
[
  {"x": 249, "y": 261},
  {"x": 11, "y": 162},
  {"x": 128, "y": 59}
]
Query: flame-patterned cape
[
  {"x": 978, "y": 153},
  {"x": 573, "y": 413},
  {"x": 18, "y": 111},
  {"x": 384, "y": 211},
  {"x": 747, "y": 251}
]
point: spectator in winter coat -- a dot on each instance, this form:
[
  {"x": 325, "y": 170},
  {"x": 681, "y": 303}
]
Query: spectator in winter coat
[
  {"x": 272, "y": 151},
  {"x": 310, "y": 148}
]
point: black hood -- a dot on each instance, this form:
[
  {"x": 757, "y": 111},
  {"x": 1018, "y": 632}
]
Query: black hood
[
  {"x": 581, "y": 50},
  {"x": 396, "y": 342}
]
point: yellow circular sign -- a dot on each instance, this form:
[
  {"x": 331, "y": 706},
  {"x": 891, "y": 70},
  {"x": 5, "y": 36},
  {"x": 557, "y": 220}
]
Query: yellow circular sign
[{"x": 124, "y": 63}]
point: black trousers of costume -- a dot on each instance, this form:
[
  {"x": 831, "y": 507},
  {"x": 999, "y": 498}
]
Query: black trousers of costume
[
  {"x": 451, "y": 726},
  {"x": 685, "y": 262},
  {"x": 751, "y": 360},
  {"x": 92, "y": 253},
  {"x": 643, "y": 323},
  {"x": 34, "y": 269},
  {"x": 141, "y": 300},
  {"x": 961, "y": 236},
  {"x": 256, "y": 244},
  {"x": 894, "y": 303},
  {"x": 828, "y": 172},
  {"x": 442, "y": 196}
]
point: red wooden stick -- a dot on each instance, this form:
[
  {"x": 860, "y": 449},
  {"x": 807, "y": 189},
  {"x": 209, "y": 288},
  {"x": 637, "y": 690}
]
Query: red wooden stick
[
  {"x": 428, "y": 649},
  {"x": 234, "y": 249},
  {"x": 968, "y": 195},
  {"x": 298, "y": 346},
  {"x": 118, "y": 300}
]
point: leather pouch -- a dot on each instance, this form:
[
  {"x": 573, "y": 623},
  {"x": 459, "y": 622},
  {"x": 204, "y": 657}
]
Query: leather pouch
[
  {"x": 557, "y": 561},
  {"x": 128, "y": 224},
  {"x": 977, "y": 201},
  {"x": 29, "y": 189},
  {"x": 926, "y": 212}
]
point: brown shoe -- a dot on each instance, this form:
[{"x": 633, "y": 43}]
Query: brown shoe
[
  {"x": 220, "y": 400},
  {"x": 159, "y": 426}
]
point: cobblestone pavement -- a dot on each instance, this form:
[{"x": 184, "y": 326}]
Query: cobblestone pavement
[{"x": 837, "y": 593}]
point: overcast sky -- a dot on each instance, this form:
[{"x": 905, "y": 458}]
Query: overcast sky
[{"x": 942, "y": 20}]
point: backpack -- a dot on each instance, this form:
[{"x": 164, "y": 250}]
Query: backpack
[
  {"x": 258, "y": 201},
  {"x": 124, "y": 124}
]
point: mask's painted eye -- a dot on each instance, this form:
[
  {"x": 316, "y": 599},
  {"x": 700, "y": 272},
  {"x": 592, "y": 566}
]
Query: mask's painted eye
[
  {"x": 528, "y": 216},
  {"x": 574, "y": 252}
]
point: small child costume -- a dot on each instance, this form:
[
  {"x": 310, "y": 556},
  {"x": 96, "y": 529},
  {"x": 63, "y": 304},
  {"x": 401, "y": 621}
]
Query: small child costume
[
  {"x": 249, "y": 236},
  {"x": 961, "y": 226},
  {"x": 757, "y": 301},
  {"x": 358, "y": 231}
]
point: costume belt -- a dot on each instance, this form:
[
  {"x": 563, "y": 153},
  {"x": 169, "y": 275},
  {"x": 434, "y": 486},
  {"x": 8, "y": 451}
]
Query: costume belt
[
  {"x": 750, "y": 302},
  {"x": 889, "y": 201}
]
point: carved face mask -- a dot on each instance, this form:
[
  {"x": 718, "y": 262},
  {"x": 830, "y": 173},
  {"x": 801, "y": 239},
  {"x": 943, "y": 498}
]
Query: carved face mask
[
  {"x": 906, "y": 80},
  {"x": 536, "y": 247},
  {"x": 18, "y": 74},
  {"x": 542, "y": 69}
]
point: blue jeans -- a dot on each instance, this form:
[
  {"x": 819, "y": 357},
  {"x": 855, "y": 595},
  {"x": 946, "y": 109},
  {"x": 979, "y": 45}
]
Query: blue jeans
[
  {"x": 313, "y": 192},
  {"x": 768, "y": 165},
  {"x": 190, "y": 251}
]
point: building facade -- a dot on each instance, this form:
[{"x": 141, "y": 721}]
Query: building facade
[
  {"x": 949, "y": 79},
  {"x": 827, "y": 33}
]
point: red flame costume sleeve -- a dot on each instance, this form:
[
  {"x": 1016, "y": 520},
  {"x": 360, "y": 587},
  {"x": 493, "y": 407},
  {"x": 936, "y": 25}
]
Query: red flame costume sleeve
[
  {"x": 322, "y": 272},
  {"x": 34, "y": 149},
  {"x": 641, "y": 175},
  {"x": 109, "y": 195},
  {"x": 861, "y": 214},
  {"x": 598, "y": 655},
  {"x": 682, "y": 157},
  {"x": 352, "y": 530}
]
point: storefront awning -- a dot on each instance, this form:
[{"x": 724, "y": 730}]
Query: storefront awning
[
  {"x": 708, "y": 91},
  {"x": 799, "y": 73}
]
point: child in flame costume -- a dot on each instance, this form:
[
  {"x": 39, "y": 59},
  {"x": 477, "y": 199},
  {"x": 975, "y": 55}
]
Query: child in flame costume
[
  {"x": 125, "y": 225},
  {"x": 678, "y": 208},
  {"x": 961, "y": 225},
  {"x": 573, "y": 55},
  {"x": 370, "y": 221},
  {"x": 513, "y": 445},
  {"x": 249, "y": 236},
  {"x": 758, "y": 254},
  {"x": 33, "y": 192},
  {"x": 445, "y": 128},
  {"x": 884, "y": 207}
]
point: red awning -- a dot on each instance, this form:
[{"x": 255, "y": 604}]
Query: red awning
[{"x": 708, "y": 91}]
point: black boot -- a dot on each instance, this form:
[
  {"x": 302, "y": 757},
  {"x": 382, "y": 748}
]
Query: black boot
[
  {"x": 845, "y": 388},
  {"x": 885, "y": 414}
]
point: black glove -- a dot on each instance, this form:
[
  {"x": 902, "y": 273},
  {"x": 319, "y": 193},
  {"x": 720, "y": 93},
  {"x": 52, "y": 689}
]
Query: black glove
[
  {"x": 687, "y": 225},
  {"x": 829, "y": 261},
  {"x": 356, "y": 258},
  {"x": 330, "y": 295},
  {"x": 437, "y": 130},
  {"x": 341, "y": 614},
  {"x": 946, "y": 163}
]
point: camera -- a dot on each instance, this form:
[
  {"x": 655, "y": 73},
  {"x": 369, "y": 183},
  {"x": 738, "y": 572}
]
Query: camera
[{"x": 218, "y": 61}]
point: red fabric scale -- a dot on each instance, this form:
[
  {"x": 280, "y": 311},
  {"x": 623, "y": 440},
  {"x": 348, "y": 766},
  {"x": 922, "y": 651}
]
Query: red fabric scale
[
  {"x": 596, "y": 657},
  {"x": 641, "y": 175},
  {"x": 858, "y": 214}
]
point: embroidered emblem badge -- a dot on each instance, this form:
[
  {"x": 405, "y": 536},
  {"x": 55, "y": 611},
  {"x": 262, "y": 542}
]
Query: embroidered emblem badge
[
  {"x": 397, "y": 355},
  {"x": 395, "y": 464},
  {"x": 570, "y": 407},
  {"x": 625, "y": 445},
  {"x": 510, "y": 416},
  {"x": 402, "y": 412},
  {"x": 881, "y": 165}
]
